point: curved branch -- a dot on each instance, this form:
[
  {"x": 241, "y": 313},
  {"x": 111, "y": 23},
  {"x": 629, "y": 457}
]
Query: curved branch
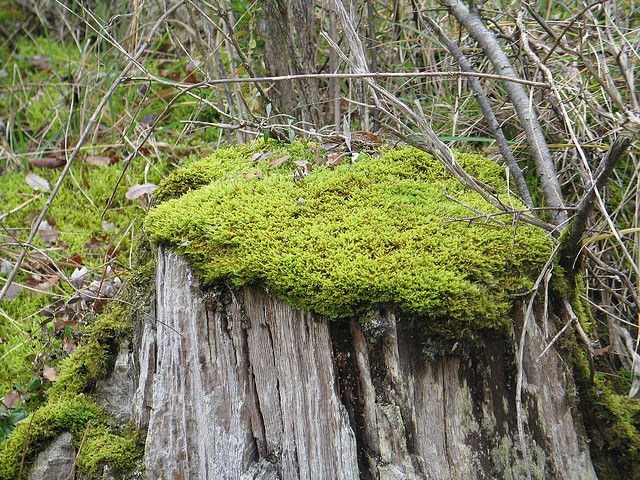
[
  {"x": 520, "y": 99},
  {"x": 572, "y": 244},
  {"x": 426, "y": 139},
  {"x": 487, "y": 112}
]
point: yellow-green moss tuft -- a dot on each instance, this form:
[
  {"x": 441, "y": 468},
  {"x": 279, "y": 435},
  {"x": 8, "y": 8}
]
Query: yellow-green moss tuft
[
  {"x": 228, "y": 164},
  {"x": 376, "y": 233},
  {"x": 612, "y": 421},
  {"x": 100, "y": 444},
  {"x": 102, "y": 447},
  {"x": 69, "y": 414}
]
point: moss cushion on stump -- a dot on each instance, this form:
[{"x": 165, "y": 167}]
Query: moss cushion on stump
[{"x": 391, "y": 230}]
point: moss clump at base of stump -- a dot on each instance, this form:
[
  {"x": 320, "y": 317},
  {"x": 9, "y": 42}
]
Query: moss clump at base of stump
[
  {"x": 612, "y": 420},
  {"x": 70, "y": 406}
]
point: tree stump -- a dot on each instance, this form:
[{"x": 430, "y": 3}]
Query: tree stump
[{"x": 237, "y": 384}]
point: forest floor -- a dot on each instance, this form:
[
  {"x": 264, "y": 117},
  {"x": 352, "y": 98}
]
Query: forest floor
[{"x": 83, "y": 248}]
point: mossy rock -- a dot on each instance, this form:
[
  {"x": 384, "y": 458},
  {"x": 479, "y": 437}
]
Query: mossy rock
[
  {"x": 99, "y": 442},
  {"x": 388, "y": 231}
]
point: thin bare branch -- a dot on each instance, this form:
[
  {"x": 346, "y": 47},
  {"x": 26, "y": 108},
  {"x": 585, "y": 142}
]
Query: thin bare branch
[
  {"x": 426, "y": 139},
  {"x": 585, "y": 206},
  {"x": 487, "y": 111},
  {"x": 346, "y": 76},
  {"x": 520, "y": 99}
]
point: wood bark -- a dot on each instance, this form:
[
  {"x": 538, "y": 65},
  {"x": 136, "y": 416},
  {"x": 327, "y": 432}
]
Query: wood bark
[{"x": 236, "y": 384}]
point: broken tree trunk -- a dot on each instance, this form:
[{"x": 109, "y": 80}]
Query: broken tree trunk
[{"x": 237, "y": 384}]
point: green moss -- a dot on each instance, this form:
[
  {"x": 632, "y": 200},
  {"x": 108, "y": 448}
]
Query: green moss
[
  {"x": 227, "y": 164},
  {"x": 44, "y": 71},
  {"x": 102, "y": 447},
  {"x": 376, "y": 233},
  {"x": 612, "y": 422},
  {"x": 69, "y": 406},
  {"x": 20, "y": 341},
  {"x": 69, "y": 414},
  {"x": 93, "y": 358},
  {"x": 88, "y": 188},
  {"x": 83, "y": 239},
  {"x": 100, "y": 444}
]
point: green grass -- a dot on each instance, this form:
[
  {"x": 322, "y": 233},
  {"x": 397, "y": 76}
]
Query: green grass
[
  {"x": 68, "y": 405},
  {"x": 83, "y": 241}
]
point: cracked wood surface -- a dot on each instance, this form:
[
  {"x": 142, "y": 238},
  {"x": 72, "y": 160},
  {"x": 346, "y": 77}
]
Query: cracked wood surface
[{"x": 241, "y": 386}]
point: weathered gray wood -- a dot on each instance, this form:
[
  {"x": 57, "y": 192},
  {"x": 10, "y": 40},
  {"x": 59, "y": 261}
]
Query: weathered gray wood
[
  {"x": 239, "y": 382},
  {"x": 241, "y": 385},
  {"x": 115, "y": 394}
]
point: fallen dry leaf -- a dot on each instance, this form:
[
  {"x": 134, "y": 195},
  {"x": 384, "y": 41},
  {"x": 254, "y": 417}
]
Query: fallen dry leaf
[
  {"x": 40, "y": 284},
  {"x": 79, "y": 277},
  {"x": 148, "y": 119},
  {"x": 5, "y": 266},
  {"x": 76, "y": 259},
  {"x": 60, "y": 324},
  {"x": 47, "y": 162},
  {"x": 12, "y": 292},
  {"x": 108, "y": 226},
  {"x": 279, "y": 161},
  {"x": 252, "y": 176},
  {"x": 49, "y": 373},
  {"x": 138, "y": 190},
  {"x": 303, "y": 168},
  {"x": 256, "y": 157},
  {"x": 41, "y": 62},
  {"x": 93, "y": 244},
  {"x": 10, "y": 399},
  {"x": 69, "y": 346},
  {"x": 36, "y": 182},
  {"x": 47, "y": 233},
  {"x": 334, "y": 159}
]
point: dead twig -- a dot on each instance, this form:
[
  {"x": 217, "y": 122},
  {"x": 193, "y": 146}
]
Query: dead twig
[
  {"x": 347, "y": 76},
  {"x": 487, "y": 111},
  {"x": 584, "y": 208},
  {"x": 527, "y": 115}
]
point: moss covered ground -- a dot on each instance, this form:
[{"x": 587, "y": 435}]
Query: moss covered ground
[
  {"x": 70, "y": 407},
  {"x": 86, "y": 238},
  {"x": 32, "y": 342},
  {"x": 384, "y": 231},
  {"x": 54, "y": 343}
]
